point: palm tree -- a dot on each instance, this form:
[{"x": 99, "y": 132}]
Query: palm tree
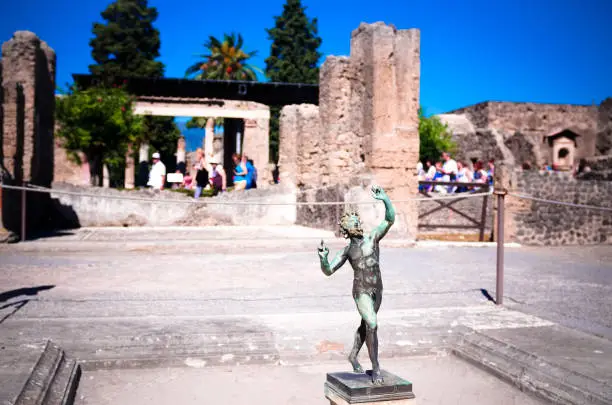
[{"x": 224, "y": 61}]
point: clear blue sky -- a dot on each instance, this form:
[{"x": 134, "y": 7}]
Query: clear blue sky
[{"x": 556, "y": 51}]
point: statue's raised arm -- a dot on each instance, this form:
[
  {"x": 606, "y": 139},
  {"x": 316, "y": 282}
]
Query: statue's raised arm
[{"x": 381, "y": 230}]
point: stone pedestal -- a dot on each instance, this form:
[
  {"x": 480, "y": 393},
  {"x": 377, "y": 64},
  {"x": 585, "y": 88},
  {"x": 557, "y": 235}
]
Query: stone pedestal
[{"x": 353, "y": 388}]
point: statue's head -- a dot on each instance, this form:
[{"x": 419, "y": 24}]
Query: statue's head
[{"x": 350, "y": 224}]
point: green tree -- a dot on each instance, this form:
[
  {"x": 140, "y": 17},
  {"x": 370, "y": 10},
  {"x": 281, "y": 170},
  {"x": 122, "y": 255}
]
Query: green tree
[
  {"x": 434, "y": 138},
  {"x": 98, "y": 122},
  {"x": 294, "y": 56},
  {"x": 224, "y": 60},
  {"x": 126, "y": 44}
]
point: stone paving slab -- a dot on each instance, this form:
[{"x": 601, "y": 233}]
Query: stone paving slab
[
  {"x": 285, "y": 337},
  {"x": 438, "y": 380}
]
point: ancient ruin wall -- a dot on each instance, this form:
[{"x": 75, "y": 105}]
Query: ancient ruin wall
[
  {"x": 535, "y": 120},
  {"x": 368, "y": 126},
  {"x": 604, "y": 127},
  {"x": 341, "y": 90},
  {"x": 389, "y": 63},
  {"x": 539, "y": 223},
  {"x": 302, "y": 156},
  {"x": 28, "y": 83}
]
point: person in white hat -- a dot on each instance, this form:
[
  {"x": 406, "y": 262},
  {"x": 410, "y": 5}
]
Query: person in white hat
[{"x": 157, "y": 175}]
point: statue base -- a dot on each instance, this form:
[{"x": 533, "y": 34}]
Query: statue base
[{"x": 357, "y": 388}]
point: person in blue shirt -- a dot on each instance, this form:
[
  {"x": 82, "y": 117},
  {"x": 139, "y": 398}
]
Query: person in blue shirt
[{"x": 251, "y": 173}]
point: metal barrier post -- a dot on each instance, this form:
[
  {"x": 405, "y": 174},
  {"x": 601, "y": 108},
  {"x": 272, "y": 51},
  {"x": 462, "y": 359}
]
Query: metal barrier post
[
  {"x": 23, "y": 213},
  {"x": 499, "y": 289}
]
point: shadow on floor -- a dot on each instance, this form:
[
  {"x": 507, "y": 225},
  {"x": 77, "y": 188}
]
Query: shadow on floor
[
  {"x": 7, "y": 295},
  {"x": 28, "y": 291},
  {"x": 487, "y": 295}
]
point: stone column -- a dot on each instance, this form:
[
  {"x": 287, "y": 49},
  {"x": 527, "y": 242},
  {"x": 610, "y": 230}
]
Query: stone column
[
  {"x": 19, "y": 57},
  {"x": 288, "y": 145},
  {"x": 209, "y": 139},
  {"x": 129, "y": 168},
  {"x": 255, "y": 145},
  {"x": 341, "y": 140},
  {"x": 389, "y": 64},
  {"x": 28, "y": 85}
]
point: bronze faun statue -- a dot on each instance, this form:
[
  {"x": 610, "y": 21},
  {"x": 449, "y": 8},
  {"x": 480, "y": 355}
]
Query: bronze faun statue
[{"x": 363, "y": 255}]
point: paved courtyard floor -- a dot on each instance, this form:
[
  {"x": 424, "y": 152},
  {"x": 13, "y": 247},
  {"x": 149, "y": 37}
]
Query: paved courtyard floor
[
  {"x": 255, "y": 297},
  {"x": 439, "y": 380}
]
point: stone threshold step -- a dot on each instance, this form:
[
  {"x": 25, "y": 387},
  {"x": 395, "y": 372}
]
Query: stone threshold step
[
  {"x": 530, "y": 372},
  {"x": 53, "y": 381}
]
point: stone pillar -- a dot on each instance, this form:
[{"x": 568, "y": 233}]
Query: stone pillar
[
  {"x": 389, "y": 64},
  {"x": 341, "y": 90},
  {"x": 105, "y": 176},
  {"x": 288, "y": 145},
  {"x": 218, "y": 147},
  {"x": 28, "y": 86},
  {"x": 143, "y": 153},
  {"x": 129, "y": 168},
  {"x": 301, "y": 158},
  {"x": 142, "y": 177},
  {"x": 18, "y": 81},
  {"x": 209, "y": 139},
  {"x": 256, "y": 144}
]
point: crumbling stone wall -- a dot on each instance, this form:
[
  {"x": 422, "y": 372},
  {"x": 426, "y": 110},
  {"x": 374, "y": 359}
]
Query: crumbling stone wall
[
  {"x": 368, "y": 124},
  {"x": 341, "y": 90},
  {"x": 302, "y": 156},
  {"x": 604, "y": 131},
  {"x": 28, "y": 83},
  {"x": 67, "y": 171},
  {"x": 539, "y": 223},
  {"x": 534, "y": 121}
]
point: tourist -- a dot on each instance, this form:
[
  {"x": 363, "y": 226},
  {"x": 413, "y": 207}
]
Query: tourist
[
  {"x": 251, "y": 172},
  {"x": 419, "y": 170},
  {"x": 449, "y": 168},
  {"x": 157, "y": 175},
  {"x": 440, "y": 176},
  {"x": 187, "y": 181},
  {"x": 464, "y": 175},
  {"x": 431, "y": 171},
  {"x": 217, "y": 177},
  {"x": 201, "y": 177},
  {"x": 480, "y": 174},
  {"x": 240, "y": 172}
]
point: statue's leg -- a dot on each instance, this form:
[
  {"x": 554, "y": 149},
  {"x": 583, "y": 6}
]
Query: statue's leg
[
  {"x": 366, "y": 307},
  {"x": 360, "y": 336}
]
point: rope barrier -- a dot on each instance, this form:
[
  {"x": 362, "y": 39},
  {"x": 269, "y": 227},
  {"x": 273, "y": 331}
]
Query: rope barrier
[
  {"x": 205, "y": 201},
  {"x": 586, "y": 206}
]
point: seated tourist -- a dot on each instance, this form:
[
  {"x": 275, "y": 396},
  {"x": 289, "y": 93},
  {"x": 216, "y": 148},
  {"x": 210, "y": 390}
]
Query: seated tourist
[
  {"x": 440, "y": 176},
  {"x": 464, "y": 175},
  {"x": 187, "y": 181}
]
